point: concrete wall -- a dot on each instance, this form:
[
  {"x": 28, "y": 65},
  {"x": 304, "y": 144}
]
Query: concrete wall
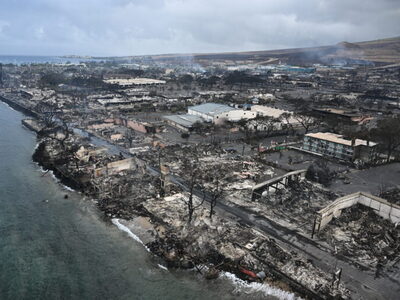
[
  {"x": 32, "y": 124},
  {"x": 176, "y": 125},
  {"x": 383, "y": 208},
  {"x": 380, "y": 206},
  {"x": 85, "y": 154},
  {"x": 272, "y": 112},
  {"x": 116, "y": 167},
  {"x": 135, "y": 125},
  {"x": 117, "y": 136},
  {"x": 120, "y": 165},
  {"x": 235, "y": 115},
  {"x": 101, "y": 126},
  {"x": 204, "y": 116}
]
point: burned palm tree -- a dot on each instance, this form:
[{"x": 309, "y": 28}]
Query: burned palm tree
[
  {"x": 47, "y": 113},
  {"x": 192, "y": 165}
]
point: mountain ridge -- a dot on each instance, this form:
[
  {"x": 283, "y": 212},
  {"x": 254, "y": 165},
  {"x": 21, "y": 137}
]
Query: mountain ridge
[{"x": 381, "y": 51}]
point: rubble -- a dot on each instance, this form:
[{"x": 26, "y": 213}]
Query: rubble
[
  {"x": 215, "y": 164},
  {"x": 218, "y": 243},
  {"x": 292, "y": 207},
  {"x": 362, "y": 234},
  {"x": 392, "y": 195}
]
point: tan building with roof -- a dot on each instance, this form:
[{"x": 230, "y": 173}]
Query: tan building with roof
[
  {"x": 336, "y": 146},
  {"x": 272, "y": 112}
]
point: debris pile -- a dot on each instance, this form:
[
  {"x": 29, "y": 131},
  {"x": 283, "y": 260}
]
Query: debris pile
[
  {"x": 294, "y": 207},
  {"x": 392, "y": 195},
  {"x": 227, "y": 245},
  {"x": 362, "y": 234},
  {"x": 116, "y": 194}
]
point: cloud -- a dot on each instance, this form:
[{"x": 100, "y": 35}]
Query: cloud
[{"x": 124, "y": 27}]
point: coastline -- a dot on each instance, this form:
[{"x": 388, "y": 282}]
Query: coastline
[
  {"x": 68, "y": 181},
  {"x": 47, "y": 165},
  {"x": 64, "y": 180},
  {"x": 18, "y": 107},
  {"x": 239, "y": 284},
  {"x": 141, "y": 231},
  {"x": 130, "y": 233}
]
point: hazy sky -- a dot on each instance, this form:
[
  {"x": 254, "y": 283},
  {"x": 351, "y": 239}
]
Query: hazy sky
[{"x": 130, "y": 27}]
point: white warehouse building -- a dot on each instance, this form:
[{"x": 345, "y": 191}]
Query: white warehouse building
[{"x": 218, "y": 113}]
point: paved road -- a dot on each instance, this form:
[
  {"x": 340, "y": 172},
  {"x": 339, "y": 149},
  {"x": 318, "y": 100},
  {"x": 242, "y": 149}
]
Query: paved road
[
  {"x": 370, "y": 180},
  {"x": 362, "y": 283}
]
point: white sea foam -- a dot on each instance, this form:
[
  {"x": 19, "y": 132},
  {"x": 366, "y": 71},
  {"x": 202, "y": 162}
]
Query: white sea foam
[
  {"x": 129, "y": 232},
  {"x": 252, "y": 287},
  {"x": 56, "y": 179},
  {"x": 68, "y": 188},
  {"x": 41, "y": 168},
  {"x": 240, "y": 285},
  {"x": 162, "y": 267},
  {"x": 52, "y": 175},
  {"x": 59, "y": 182}
]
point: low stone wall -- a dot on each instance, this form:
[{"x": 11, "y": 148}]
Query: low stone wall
[{"x": 380, "y": 206}]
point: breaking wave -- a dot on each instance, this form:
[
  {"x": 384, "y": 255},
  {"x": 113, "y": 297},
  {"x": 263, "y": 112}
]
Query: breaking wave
[
  {"x": 59, "y": 182},
  {"x": 267, "y": 290},
  {"x": 36, "y": 146},
  {"x": 129, "y": 232},
  {"x": 240, "y": 285},
  {"x": 55, "y": 178},
  {"x": 162, "y": 267}
]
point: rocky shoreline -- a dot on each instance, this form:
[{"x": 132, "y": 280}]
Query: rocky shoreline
[
  {"x": 212, "y": 248},
  {"x": 203, "y": 243},
  {"x": 168, "y": 247},
  {"x": 48, "y": 165},
  {"x": 116, "y": 209},
  {"x": 19, "y": 107}
]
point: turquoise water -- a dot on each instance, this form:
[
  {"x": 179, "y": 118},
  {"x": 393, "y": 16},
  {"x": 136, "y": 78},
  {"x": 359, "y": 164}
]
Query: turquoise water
[{"x": 56, "y": 248}]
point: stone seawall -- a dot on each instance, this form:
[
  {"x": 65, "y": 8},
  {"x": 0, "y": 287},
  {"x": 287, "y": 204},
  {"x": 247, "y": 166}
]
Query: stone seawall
[
  {"x": 32, "y": 124},
  {"x": 17, "y": 106}
]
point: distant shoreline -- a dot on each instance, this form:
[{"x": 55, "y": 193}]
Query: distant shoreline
[{"x": 39, "y": 59}]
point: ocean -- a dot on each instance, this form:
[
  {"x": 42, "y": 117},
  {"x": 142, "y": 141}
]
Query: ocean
[
  {"x": 57, "y": 248},
  {"x": 26, "y": 59}
]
